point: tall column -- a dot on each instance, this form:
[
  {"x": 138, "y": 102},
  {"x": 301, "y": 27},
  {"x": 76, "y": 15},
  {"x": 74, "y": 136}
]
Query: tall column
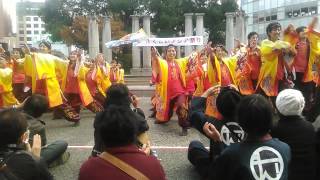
[
  {"x": 106, "y": 37},
  {"x": 240, "y": 28},
  {"x": 135, "y": 50},
  {"x": 199, "y": 27},
  {"x": 188, "y": 29},
  {"x": 178, "y": 52},
  {"x": 229, "y": 31},
  {"x": 146, "y": 50},
  {"x": 93, "y": 35}
]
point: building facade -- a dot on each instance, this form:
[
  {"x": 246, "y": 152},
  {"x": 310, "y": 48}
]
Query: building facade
[
  {"x": 30, "y": 27},
  {"x": 262, "y": 12}
]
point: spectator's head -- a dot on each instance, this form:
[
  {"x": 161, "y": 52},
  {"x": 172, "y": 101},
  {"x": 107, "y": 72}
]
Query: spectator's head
[
  {"x": 302, "y": 32},
  {"x": 253, "y": 38},
  {"x": 273, "y": 31},
  {"x": 13, "y": 127},
  {"x": 171, "y": 52},
  {"x": 117, "y": 126},
  {"x": 36, "y": 105},
  {"x": 227, "y": 102},
  {"x": 117, "y": 94},
  {"x": 255, "y": 115},
  {"x": 290, "y": 102}
]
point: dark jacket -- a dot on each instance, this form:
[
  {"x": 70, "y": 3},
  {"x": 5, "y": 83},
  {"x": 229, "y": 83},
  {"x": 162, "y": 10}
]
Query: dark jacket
[
  {"x": 97, "y": 168},
  {"x": 23, "y": 165},
  {"x": 229, "y": 129},
  {"x": 37, "y": 126},
  {"x": 300, "y": 135}
]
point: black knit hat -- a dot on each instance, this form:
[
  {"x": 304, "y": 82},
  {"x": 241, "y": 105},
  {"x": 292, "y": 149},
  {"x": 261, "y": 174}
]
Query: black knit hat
[{"x": 227, "y": 102}]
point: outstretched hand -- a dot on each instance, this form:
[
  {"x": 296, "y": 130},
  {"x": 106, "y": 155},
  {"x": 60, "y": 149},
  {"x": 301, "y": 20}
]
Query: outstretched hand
[
  {"x": 208, "y": 48},
  {"x": 154, "y": 52}
]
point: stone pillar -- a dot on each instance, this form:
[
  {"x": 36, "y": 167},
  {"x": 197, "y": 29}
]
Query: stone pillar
[
  {"x": 229, "y": 31},
  {"x": 188, "y": 29},
  {"x": 106, "y": 37},
  {"x": 135, "y": 50},
  {"x": 199, "y": 27},
  {"x": 146, "y": 50},
  {"x": 178, "y": 52},
  {"x": 240, "y": 27},
  {"x": 93, "y": 35}
]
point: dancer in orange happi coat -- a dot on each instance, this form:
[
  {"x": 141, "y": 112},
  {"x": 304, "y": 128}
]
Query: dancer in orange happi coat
[{"x": 75, "y": 89}]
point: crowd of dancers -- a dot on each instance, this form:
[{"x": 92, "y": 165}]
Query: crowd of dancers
[
  {"x": 68, "y": 83},
  {"x": 286, "y": 59}
]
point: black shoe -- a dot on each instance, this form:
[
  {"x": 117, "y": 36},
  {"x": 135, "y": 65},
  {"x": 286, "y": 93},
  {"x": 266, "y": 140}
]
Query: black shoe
[
  {"x": 76, "y": 124},
  {"x": 184, "y": 132},
  {"x": 153, "y": 115}
]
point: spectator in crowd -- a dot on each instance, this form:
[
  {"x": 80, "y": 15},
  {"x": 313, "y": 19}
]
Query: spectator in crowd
[
  {"x": 298, "y": 133},
  {"x": 226, "y": 102},
  {"x": 15, "y": 162},
  {"x": 118, "y": 94},
  {"x": 118, "y": 130},
  {"x": 54, "y": 153},
  {"x": 259, "y": 156}
]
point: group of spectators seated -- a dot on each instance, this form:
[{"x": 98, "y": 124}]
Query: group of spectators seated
[
  {"x": 27, "y": 158},
  {"x": 249, "y": 142}
]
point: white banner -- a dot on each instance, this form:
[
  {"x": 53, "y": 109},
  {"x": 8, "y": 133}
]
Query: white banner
[{"x": 178, "y": 41}]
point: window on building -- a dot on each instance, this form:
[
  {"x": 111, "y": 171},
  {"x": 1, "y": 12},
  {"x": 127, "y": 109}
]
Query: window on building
[
  {"x": 35, "y": 18},
  {"x": 21, "y": 38},
  {"x": 28, "y": 32},
  {"x": 274, "y": 17},
  {"x": 29, "y": 39},
  {"x": 28, "y": 18},
  {"x": 255, "y": 18},
  {"x": 21, "y": 25},
  {"x": 313, "y": 10},
  {"x": 36, "y": 25},
  {"x": 28, "y": 25},
  {"x": 21, "y": 31},
  {"x": 296, "y": 13},
  {"x": 268, "y": 18},
  {"x": 261, "y": 19},
  {"x": 20, "y": 18},
  {"x": 304, "y": 11},
  {"x": 35, "y": 32},
  {"x": 43, "y": 32},
  {"x": 42, "y": 25}
]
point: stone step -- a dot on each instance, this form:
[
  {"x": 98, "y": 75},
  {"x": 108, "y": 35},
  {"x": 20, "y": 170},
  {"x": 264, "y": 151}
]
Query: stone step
[
  {"x": 137, "y": 80},
  {"x": 142, "y": 90}
]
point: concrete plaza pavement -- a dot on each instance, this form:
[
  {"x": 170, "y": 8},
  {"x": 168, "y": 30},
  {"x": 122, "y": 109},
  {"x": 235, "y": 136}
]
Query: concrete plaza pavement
[{"x": 165, "y": 139}]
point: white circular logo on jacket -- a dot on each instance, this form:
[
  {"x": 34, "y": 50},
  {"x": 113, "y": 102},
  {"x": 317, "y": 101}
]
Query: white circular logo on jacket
[
  {"x": 227, "y": 137},
  {"x": 266, "y": 163}
]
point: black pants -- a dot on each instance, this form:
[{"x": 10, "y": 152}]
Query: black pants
[
  {"x": 199, "y": 156},
  {"x": 53, "y": 151},
  {"x": 308, "y": 90}
]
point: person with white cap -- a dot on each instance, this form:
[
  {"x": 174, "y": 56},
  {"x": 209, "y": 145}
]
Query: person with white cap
[{"x": 299, "y": 134}]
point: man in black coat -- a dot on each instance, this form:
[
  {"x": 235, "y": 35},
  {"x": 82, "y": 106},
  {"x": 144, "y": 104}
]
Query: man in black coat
[{"x": 298, "y": 133}]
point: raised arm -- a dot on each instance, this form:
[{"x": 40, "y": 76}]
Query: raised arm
[{"x": 155, "y": 61}]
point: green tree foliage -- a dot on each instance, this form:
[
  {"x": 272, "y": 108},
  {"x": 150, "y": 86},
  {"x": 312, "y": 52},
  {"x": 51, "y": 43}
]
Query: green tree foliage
[{"x": 167, "y": 15}]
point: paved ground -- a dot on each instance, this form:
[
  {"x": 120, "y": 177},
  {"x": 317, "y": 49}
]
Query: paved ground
[{"x": 173, "y": 159}]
